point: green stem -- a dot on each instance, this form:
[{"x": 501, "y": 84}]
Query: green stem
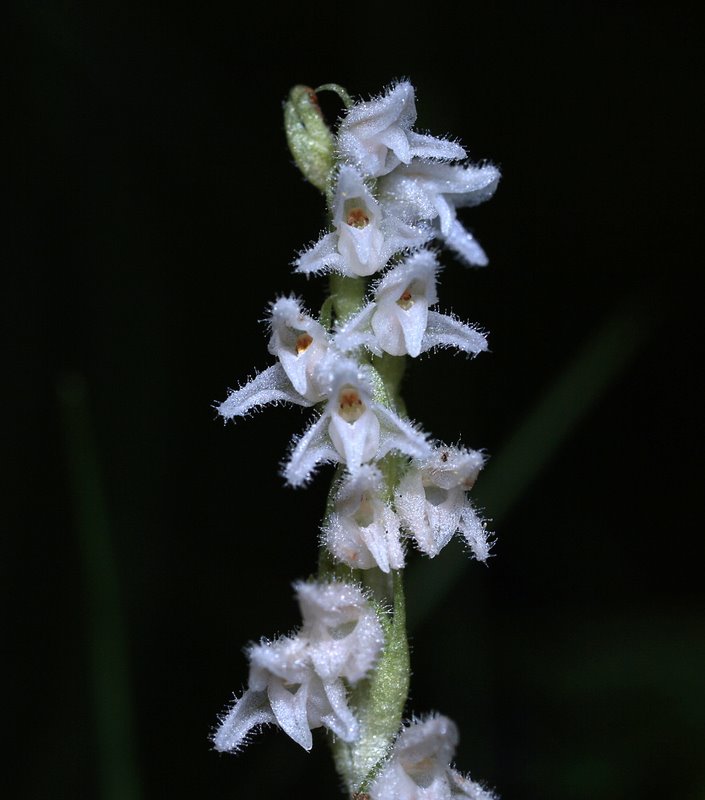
[
  {"x": 379, "y": 701},
  {"x": 347, "y": 294}
]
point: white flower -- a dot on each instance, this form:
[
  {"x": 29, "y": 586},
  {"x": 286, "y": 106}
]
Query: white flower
[
  {"x": 419, "y": 767},
  {"x": 285, "y": 690},
  {"x": 432, "y": 502},
  {"x": 366, "y": 236},
  {"x": 299, "y": 342},
  {"x": 399, "y": 321},
  {"x": 376, "y": 135},
  {"x": 353, "y": 428},
  {"x": 343, "y": 630},
  {"x": 362, "y": 531},
  {"x": 296, "y": 682},
  {"x": 427, "y": 192}
]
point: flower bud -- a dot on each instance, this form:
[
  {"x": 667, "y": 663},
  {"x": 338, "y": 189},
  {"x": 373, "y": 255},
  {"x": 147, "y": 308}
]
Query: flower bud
[{"x": 310, "y": 139}]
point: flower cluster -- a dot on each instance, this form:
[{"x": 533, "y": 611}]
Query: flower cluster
[
  {"x": 296, "y": 682},
  {"x": 392, "y": 192}
]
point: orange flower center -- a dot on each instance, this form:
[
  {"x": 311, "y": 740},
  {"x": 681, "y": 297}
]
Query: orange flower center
[
  {"x": 357, "y": 218},
  {"x": 303, "y": 340},
  {"x": 406, "y": 300},
  {"x": 350, "y": 404}
]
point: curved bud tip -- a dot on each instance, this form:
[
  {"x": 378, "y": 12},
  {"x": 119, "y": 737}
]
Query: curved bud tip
[{"x": 310, "y": 140}]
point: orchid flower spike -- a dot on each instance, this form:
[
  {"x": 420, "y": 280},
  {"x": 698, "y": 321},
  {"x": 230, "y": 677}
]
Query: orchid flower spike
[
  {"x": 389, "y": 191},
  {"x": 365, "y": 234},
  {"x": 432, "y": 501},
  {"x": 376, "y": 135},
  {"x": 399, "y": 320},
  {"x": 427, "y": 193}
]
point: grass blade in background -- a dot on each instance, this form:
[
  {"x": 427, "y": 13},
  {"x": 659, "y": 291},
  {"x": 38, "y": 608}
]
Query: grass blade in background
[
  {"x": 562, "y": 406},
  {"x": 112, "y": 702}
]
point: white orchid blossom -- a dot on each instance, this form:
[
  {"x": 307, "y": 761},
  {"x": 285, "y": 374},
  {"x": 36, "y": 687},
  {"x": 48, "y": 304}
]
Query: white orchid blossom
[
  {"x": 376, "y": 135},
  {"x": 353, "y": 428},
  {"x": 399, "y": 320},
  {"x": 343, "y": 630},
  {"x": 419, "y": 767},
  {"x": 296, "y": 682},
  {"x": 430, "y": 192},
  {"x": 365, "y": 234},
  {"x": 362, "y": 530},
  {"x": 432, "y": 501},
  {"x": 299, "y": 342}
]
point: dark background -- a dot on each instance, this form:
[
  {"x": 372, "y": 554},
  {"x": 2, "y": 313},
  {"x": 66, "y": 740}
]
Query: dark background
[{"x": 155, "y": 214}]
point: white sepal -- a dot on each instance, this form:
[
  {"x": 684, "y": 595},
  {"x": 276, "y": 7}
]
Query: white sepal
[
  {"x": 444, "y": 330},
  {"x": 465, "y": 245},
  {"x": 329, "y": 708},
  {"x": 400, "y": 435},
  {"x": 377, "y": 135},
  {"x": 425, "y": 191},
  {"x": 249, "y": 712},
  {"x": 474, "y": 530},
  {"x": 310, "y": 450},
  {"x": 431, "y": 193},
  {"x": 272, "y": 385},
  {"x": 356, "y": 332}
]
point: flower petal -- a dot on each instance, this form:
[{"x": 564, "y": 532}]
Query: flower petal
[
  {"x": 474, "y": 532},
  {"x": 323, "y": 256},
  {"x": 444, "y": 330},
  {"x": 356, "y": 332},
  {"x": 250, "y": 711},
  {"x": 399, "y": 434},
  {"x": 310, "y": 449},
  {"x": 465, "y": 245},
  {"x": 269, "y": 386},
  {"x": 291, "y": 712}
]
